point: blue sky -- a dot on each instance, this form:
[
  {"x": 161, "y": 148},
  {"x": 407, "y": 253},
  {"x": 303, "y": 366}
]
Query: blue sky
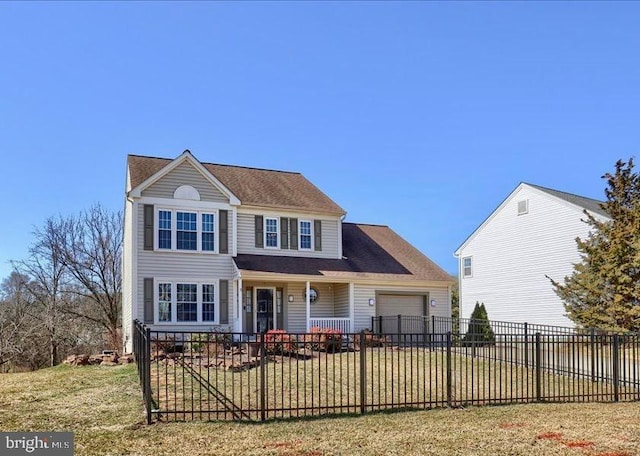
[{"x": 419, "y": 115}]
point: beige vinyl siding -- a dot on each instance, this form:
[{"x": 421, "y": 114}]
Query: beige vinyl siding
[
  {"x": 341, "y": 300},
  {"x": 364, "y": 312},
  {"x": 512, "y": 255},
  {"x": 246, "y": 236},
  {"x": 127, "y": 276},
  {"x": 296, "y": 316},
  {"x": 185, "y": 174},
  {"x": 174, "y": 265}
]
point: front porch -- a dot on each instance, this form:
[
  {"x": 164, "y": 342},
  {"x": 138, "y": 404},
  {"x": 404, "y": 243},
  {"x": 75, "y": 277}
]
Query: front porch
[{"x": 294, "y": 306}]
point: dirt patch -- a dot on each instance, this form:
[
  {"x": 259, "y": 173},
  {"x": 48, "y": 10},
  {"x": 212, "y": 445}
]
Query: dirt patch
[{"x": 550, "y": 436}]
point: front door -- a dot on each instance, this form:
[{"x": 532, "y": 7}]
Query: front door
[{"x": 264, "y": 309}]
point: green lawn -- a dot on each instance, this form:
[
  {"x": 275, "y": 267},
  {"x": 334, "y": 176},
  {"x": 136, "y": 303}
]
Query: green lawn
[{"x": 103, "y": 406}]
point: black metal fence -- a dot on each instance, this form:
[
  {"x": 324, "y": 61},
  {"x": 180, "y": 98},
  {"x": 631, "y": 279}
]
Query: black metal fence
[
  {"x": 233, "y": 376},
  {"x": 410, "y": 324}
]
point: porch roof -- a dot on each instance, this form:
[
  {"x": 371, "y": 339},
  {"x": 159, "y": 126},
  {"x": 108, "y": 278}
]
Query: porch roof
[{"x": 370, "y": 251}]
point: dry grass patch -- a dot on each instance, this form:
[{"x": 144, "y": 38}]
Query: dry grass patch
[{"x": 103, "y": 406}]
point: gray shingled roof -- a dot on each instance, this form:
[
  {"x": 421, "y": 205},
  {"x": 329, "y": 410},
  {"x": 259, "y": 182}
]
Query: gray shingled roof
[{"x": 591, "y": 205}]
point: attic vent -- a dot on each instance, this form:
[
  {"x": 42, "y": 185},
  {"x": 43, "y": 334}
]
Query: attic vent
[
  {"x": 186, "y": 192},
  {"x": 523, "y": 207}
]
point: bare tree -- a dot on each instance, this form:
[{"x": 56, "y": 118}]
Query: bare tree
[
  {"x": 90, "y": 248},
  {"x": 15, "y": 322},
  {"x": 48, "y": 285}
]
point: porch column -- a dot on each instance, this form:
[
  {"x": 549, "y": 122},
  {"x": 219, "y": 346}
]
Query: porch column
[
  {"x": 239, "y": 323},
  {"x": 308, "y": 302},
  {"x": 352, "y": 306}
]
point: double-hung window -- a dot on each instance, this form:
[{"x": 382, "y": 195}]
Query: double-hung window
[
  {"x": 208, "y": 302},
  {"x": 271, "y": 232},
  {"x": 208, "y": 232},
  {"x": 185, "y": 302},
  {"x": 305, "y": 234},
  {"x": 164, "y": 229},
  {"x": 186, "y": 231},
  {"x": 467, "y": 270}
]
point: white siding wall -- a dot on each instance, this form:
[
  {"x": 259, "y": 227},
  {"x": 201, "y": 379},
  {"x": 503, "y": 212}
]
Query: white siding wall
[
  {"x": 246, "y": 236},
  {"x": 364, "y": 312},
  {"x": 513, "y": 253},
  {"x": 185, "y": 174}
]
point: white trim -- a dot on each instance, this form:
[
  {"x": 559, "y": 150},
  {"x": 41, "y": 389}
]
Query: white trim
[
  {"x": 239, "y": 313},
  {"x": 169, "y": 202},
  {"x": 134, "y": 266},
  {"x": 185, "y": 156},
  {"x": 174, "y": 304},
  {"x": 307, "y": 296},
  {"x": 264, "y": 232},
  {"x": 311, "y": 235},
  {"x": 174, "y": 229},
  {"x": 340, "y": 239},
  {"x": 234, "y": 217}
]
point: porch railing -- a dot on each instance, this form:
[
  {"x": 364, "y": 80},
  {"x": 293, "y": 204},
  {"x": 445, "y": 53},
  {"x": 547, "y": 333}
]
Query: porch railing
[{"x": 341, "y": 324}]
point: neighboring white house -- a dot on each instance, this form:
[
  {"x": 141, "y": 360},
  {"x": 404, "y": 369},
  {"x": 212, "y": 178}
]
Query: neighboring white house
[
  {"x": 505, "y": 262},
  {"x": 210, "y": 246}
]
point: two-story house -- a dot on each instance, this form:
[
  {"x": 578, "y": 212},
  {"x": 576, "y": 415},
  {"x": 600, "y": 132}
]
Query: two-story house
[
  {"x": 218, "y": 247},
  {"x": 507, "y": 261}
]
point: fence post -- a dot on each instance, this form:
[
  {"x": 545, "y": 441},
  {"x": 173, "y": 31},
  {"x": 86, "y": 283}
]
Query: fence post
[
  {"x": 592, "y": 343},
  {"x": 373, "y": 323},
  {"x": 449, "y": 372},
  {"x": 379, "y": 324},
  {"x": 538, "y": 365},
  {"x": 399, "y": 326},
  {"x": 616, "y": 368},
  {"x": 526, "y": 344},
  {"x": 263, "y": 378},
  {"x": 147, "y": 372},
  {"x": 363, "y": 372}
]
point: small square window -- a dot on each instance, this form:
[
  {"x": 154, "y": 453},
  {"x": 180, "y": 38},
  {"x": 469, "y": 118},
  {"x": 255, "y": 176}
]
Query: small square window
[{"x": 523, "y": 207}]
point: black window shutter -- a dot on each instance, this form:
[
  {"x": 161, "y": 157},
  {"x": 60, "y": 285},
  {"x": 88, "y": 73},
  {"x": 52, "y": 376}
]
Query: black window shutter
[
  {"x": 259, "y": 231},
  {"x": 317, "y": 235},
  {"x": 224, "y": 302},
  {"x": 284, "y": 233},
  {"x": 148, "y": 300},
  {"x": 223, "y": 229},
  {"x": 293, "y": 233},
  {"x": 148, "y": 226}
]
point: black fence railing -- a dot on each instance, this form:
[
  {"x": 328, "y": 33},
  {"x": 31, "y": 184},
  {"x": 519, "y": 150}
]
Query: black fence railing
[
  {"x": 233, "y": 376},
  {"x": 410, "y": 324}
]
